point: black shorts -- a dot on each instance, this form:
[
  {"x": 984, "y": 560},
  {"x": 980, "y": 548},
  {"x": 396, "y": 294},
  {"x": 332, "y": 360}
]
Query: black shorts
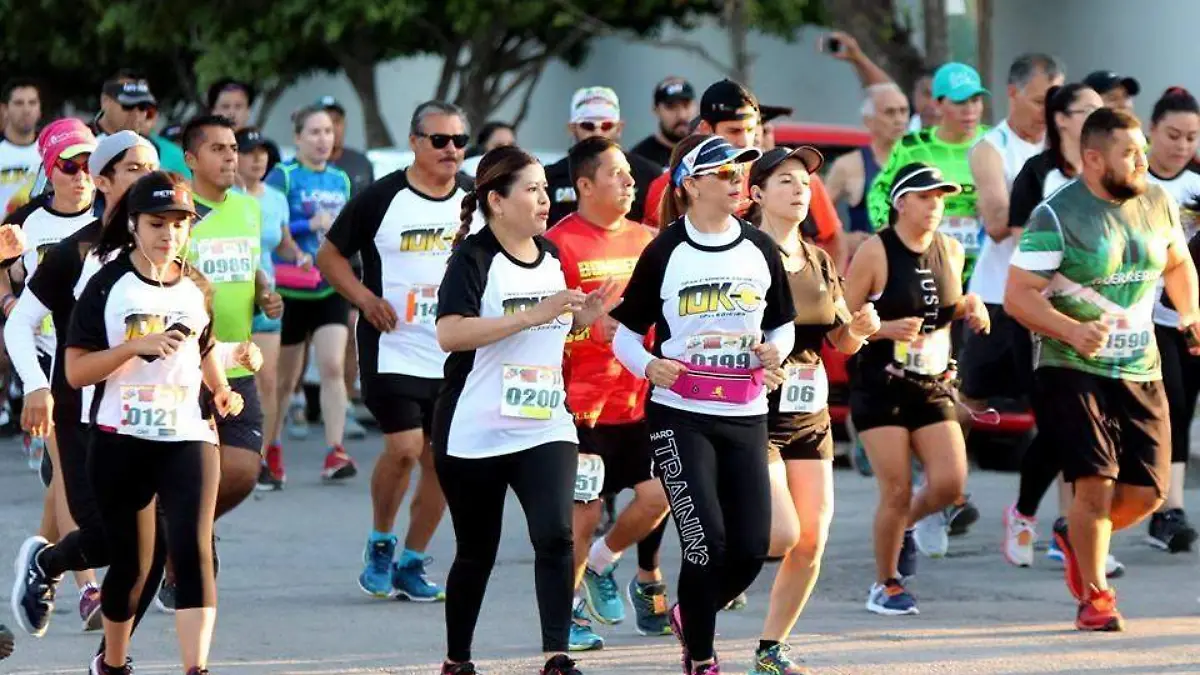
[
  {"x": 400, "y": 402},
  {"x": 302, "y": 317},
  {"x": 1106, "y": 427},
  {"x": 625, "y": 449},
  {"x": 804, "y": 436},
  {"x": 888, "y": 401},
  {"x": 239, "y": 431},
  {"x": 997, "y": 364}
]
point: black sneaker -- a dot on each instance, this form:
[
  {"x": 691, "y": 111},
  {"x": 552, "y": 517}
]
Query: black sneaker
[
  {"x": 164, "y": 600},
  {"x": 6, "y": 642},
  {"x": 960, "y": 517},
  {"x": 33, "y": 591},
  {"x": 197, "y": 671},
  {"x": 1169, "y": 531},
  {"x": 560, "y": 664},
  {"x": 466, "y": 668},
  {"x": 99, "y": 667},
  {"x": 907, "y": 563}
]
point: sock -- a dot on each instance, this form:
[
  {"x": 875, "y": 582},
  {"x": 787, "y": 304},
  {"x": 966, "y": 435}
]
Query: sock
[
  {"x": 408, "y": 556},
  {"x": 600, "y": 557},
  {"x": 379, "y": 536},
  {"x": 764, "y": 645}
]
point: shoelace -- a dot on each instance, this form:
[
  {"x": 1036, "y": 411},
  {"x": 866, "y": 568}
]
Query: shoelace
[
  {"x": 381, "y": 562},
  {"x": 778, "y": 654},
  {"x": 607, "y": 586},
  {"x": 1104, "y": 601}
]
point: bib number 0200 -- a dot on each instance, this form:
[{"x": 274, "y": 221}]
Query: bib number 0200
[{"x": 531, "y": 392}]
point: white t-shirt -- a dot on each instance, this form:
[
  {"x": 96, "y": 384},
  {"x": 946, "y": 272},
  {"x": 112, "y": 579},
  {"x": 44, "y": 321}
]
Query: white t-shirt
[
  {"x": 18, "y": 164},
  {"x": 991, "y": 268},
  {"x": 1185, "y": 190}
]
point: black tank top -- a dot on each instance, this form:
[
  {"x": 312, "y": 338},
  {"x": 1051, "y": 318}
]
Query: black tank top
[
  {"x": 918, "y": 284},
  {"x": 860, "y": 221}
]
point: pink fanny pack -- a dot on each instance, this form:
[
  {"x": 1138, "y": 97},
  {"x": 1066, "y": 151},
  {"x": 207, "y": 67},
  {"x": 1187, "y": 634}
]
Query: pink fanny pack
[
  {"x": 713, "y": 383},
  {"x": 296, "y": 277}
]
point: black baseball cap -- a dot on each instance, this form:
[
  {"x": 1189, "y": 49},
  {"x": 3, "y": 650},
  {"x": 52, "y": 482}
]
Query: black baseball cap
[
  {"x": 129, "y": 92},
  {"x": 328, "y": 102},
  {"x": 919, "y": 177},
  {"x": 810, "y": 157},
  {"x": 724, "y": 101},
  {"x": 249, "y": 139},
  {"x": 674, "y": 89},
  {"x": 156, "y": 193},
  {"x": 1104, "y": 81},
  {"x": 772, "y": 112}
]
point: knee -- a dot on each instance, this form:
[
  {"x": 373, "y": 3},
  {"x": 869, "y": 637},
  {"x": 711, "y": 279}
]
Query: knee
[
  {"x": 895, "y": 496},
  {"x": 810, "y": 546},
  {"x": 946, "y": 489},
  {"x": 785, "y": 536},
  {"x": 404, "y": 449},
  {"x": 653, "y": 502},
  {"x": 239, "y": 469},
  {"x": 331, "y": 365},
  {"x": 558, "y": 543}
]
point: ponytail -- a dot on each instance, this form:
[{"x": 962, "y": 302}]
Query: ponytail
[
  {"x": 1058, "y": 101},
  {"x": 675, "y": 200},
  {"x": 466, "y": 215}
]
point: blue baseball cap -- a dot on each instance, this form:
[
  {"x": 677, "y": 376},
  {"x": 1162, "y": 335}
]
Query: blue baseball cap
[{"x": 957, "y": 82}]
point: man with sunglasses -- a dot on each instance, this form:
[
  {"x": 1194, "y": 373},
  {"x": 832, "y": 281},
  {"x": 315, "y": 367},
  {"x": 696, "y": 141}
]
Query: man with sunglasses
[
  {"x": 596, "y": 111},
  {"x": 403, "y": 226},
  {"x": 126, "y": 103}
]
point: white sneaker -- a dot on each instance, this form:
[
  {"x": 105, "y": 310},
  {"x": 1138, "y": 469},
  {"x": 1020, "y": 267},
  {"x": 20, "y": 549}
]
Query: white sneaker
[
  {"x": 932, "y": 535},
  {"x": 1019, "y": 537},
  {"x": 1113, "y": 568},
  {"x": 354, "y": 430}
]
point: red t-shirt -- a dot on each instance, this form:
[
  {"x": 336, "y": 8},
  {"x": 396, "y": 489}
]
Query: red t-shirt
[{"x": 599, "y": 389}]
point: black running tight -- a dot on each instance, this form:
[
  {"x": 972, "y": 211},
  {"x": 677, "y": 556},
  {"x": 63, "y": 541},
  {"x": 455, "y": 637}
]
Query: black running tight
[
  {"x": 647, "y": 548},
  {"x": 543, "y": 478},
  {"x": 1039, "y": 467},
  {"x": 715, "y": 472},
  {"x": 127, "y": 475},
  {"x": 1181, "y": 380}
]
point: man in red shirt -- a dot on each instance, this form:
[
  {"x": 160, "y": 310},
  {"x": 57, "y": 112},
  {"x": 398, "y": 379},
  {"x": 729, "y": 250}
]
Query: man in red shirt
[{"x": 598, "y": 243}]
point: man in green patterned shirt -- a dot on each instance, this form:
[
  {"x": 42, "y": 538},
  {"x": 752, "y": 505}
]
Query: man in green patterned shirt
[{"x": 1084, "y": 279}]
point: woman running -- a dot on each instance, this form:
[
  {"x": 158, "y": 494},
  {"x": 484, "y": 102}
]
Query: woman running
[
  {"x": 801, "y": 440},
  {"x": 902, "y": 397},
  {"x": 714, "y": 289},
  {"x": 504, "y": 314},
  {"x": 1174, "y": 131},
  {"x": 141, "y": 333},
  {"x": 313, "y": 311}
]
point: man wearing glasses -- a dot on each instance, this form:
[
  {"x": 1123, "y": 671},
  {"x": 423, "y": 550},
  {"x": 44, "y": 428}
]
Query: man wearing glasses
[
  {"x": 596, "y": 111},
  {"x": 126, "y": 103}
]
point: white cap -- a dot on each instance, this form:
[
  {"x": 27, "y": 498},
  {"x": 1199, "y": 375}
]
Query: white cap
[{"x": 595, "y": 103}]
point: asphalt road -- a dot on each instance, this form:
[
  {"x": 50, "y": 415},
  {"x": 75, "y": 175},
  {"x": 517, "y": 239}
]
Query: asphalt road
[{"x": 289, "y": 602}]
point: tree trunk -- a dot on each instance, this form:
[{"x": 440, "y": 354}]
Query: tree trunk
[
  {"x": 736, "y": 25},
  {"x": 361, "y": 74},
  {"x": 937, "y": 34},
  {"x": 883, "y": 35},
  {"x": 269, "y": 97},
  {"x": 984, "y": 57}
]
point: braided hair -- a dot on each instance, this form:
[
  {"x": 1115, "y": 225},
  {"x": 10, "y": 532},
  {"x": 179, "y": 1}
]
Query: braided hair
[{"x": 497, "y": 172}]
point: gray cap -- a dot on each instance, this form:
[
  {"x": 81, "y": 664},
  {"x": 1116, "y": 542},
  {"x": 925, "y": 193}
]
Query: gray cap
[{"x": 113, "y": 145}]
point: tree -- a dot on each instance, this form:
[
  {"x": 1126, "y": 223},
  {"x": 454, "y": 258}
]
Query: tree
[{"x": 884, "y": 33}]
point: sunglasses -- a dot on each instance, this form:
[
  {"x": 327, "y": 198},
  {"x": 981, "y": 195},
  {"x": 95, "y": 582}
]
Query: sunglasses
[
  {"x": 726, "y": 172},
  {"x": 605, "y": 126},
  {"x": 144, "y": 107},
  {"x": 440, "y": 141},
  {"x": 71, "y": 167}
]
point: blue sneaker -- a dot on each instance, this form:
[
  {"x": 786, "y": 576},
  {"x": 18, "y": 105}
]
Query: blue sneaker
[
  {"x": 649, "y": 602},
  {"x": 891, "y": 599},
  {"x": 410, "y": 582},
  {"x": 582, "y": 638},
  {"x": 376, "y": 577},
  {"x": 907, "y": 564},
  {"x": 1053, "y": 552},
  {"x": 859, "y": 460},
  {"x": 602, "y": 597}
]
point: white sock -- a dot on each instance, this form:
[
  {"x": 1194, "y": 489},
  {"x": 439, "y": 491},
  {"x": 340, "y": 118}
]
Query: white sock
[{"x": 600, "y": 557}]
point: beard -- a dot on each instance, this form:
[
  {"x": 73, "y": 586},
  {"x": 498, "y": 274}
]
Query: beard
[
  {"x": 672, "y": 134},
  {"x": 1124, "y": 189}
]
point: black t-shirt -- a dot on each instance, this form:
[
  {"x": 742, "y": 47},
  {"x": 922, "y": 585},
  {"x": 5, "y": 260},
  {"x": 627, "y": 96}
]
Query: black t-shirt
[
  {"x": 563, "y": 201},
  {"x": 358, "y": 167},
  {"x": 1036, "y": 180},
  {"x": 654, "y": 151}
]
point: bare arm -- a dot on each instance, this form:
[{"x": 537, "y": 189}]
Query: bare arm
[
  {"x": 845, "y": 341},
  {"x": 1024, "y": 301},
  {"x": 84, "y": 368},
  {"x": 987, "y": 169},
  {"x": 214, "y": 371},
  {"x": 1181, "y": 283},
  {"x": 867, "y": 270},
  {"x": 462, "y": 333},
  {"x": 337, "y": 271},
  {"x": 838, "y": 182}
]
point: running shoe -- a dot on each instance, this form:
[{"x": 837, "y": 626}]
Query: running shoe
[
  {"x": 272, "y": 476},
  {"x": 775, "y": 661},
  {"x": 906, "y": 565},
  {"x": 296, "y": 420},
  {"x": 961, "y": 516},
  {"x": 891, "y": 599},
  {"x": 1099, "y": 611},
  {"x": 89, "y": 609},
  {"x": 1070, "y": 566},
  {"x": 339, "y": 465},
  {"x": 582, "y": 637},
  {"x": 99, "y": 668},
  {"x": 1019, "y": 536},
  {"x": 197, "y": 671},
  {"x": 7, "y": 642},
  {"x": 560, "y": 664},
  {"x": 737, "y": 604},
  {"x": 931, "y": 535},
  {"x": 676, "y": 620},
  {"x": 860, "y": 461},
  {"x": 164, "y": 600},
  {"x": 33, "y": 592},
  {"x": 602, "y": 596},
  {"x": 1170, "y": 531},
  {"x": 1053, "y": 552},
  {"x": 376, "y": 577},
  {"x": 466, "y": 668},
  {"x": 410, "y": 583},
  {"x": 1113, "y": 568},
  {"x": 354, "y": 431},
  {"x": 649, "y": 602},
  {"x": 713, "y": 668}
]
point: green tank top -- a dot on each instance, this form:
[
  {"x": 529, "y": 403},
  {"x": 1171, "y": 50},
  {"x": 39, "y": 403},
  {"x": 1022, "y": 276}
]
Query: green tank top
[
  {"x": 1103, "y": 261},
  {"x": 961, "y": 217},
  {"x": 225, "y": 246}
]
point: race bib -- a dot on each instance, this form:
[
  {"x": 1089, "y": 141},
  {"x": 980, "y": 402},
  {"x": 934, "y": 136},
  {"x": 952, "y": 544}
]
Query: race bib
[
  {"x": 724, "y": 350},
  {"x": 47, "y": 326},
  {"x": 966, "y": 230},
  {"x": 531, "y": 392},
  {"x": 929, "y": 354},
  {"x": 226, "y": 261},
  {"x": 1126, "y": 338},
  {"x": 150, "y": 410},
  {"x": 589, "y": 478},
  {"x": 421, "y": 306},
  {"x": 806, "y": 389}
]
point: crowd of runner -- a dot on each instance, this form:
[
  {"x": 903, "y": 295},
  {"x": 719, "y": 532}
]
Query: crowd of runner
[{"x": 654, "y": 319}]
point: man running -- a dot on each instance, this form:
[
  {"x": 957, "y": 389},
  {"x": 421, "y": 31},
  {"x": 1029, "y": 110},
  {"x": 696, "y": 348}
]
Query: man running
[
  {"x": 402, "y": 225},
  {"x": 595, "y": 111},
  {"x": 1117, "y": 91},
  {"x": 675, "y": 107},
  {"x": 233, "y": 99},
  {"x": 595, "y": 244},
  {"x": 1084, "y": 278},
  {"x": 19, "y": 158},
  {"x": 126, "y": 102}
]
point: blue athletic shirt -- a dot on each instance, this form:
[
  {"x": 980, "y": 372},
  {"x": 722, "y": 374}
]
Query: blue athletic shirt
[{"x": 308, "y": 192}]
